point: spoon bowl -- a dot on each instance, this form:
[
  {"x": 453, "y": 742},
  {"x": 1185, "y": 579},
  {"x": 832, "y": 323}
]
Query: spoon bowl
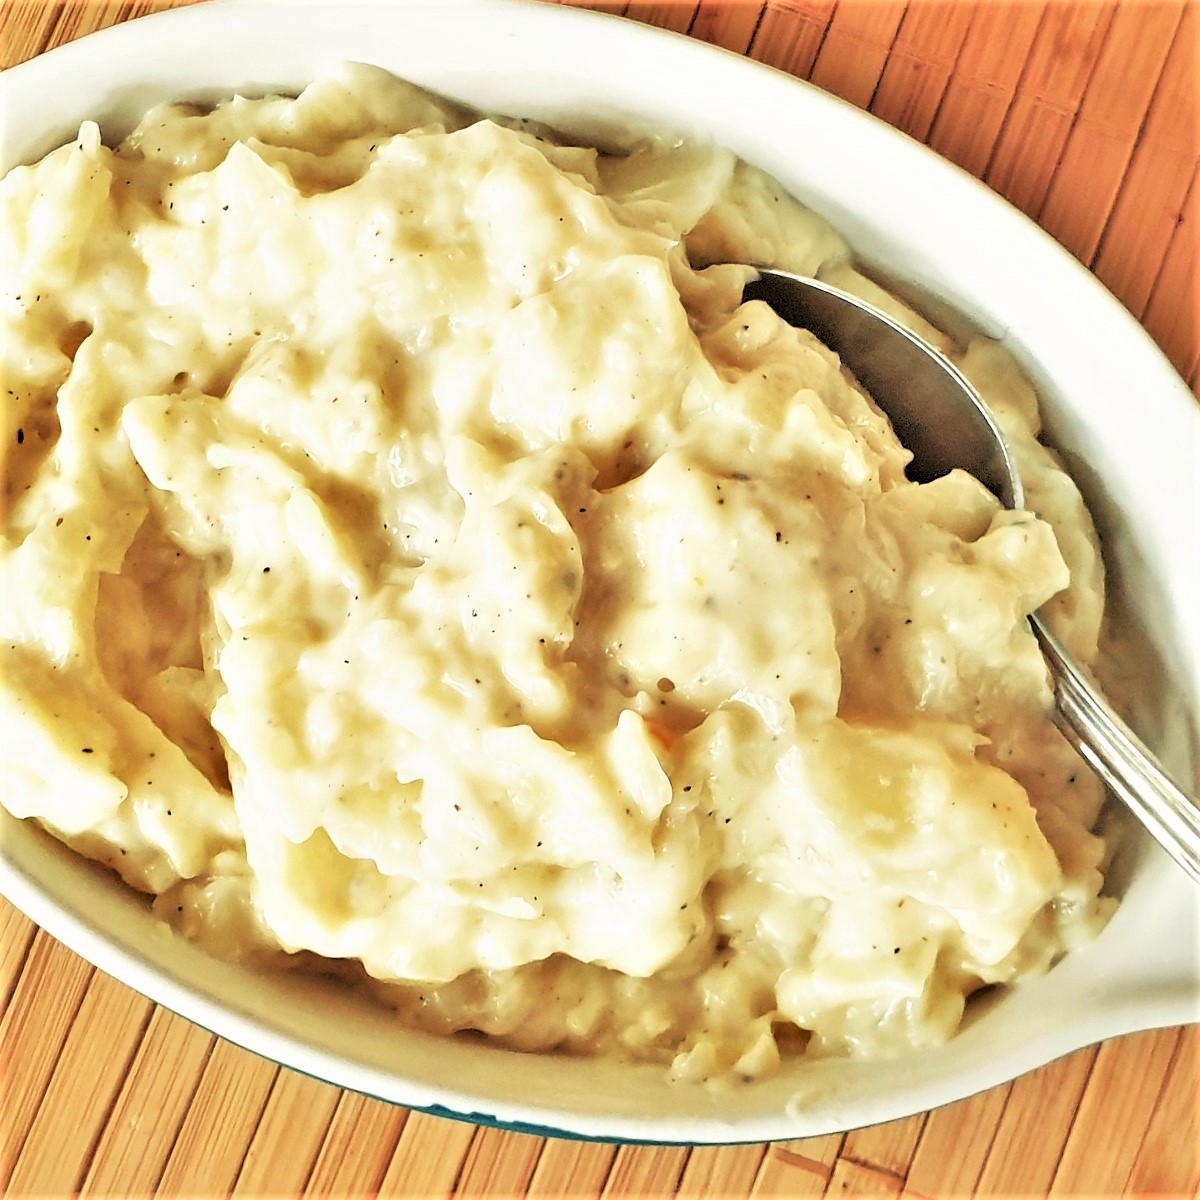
[
  {"x": 935, "y": 412},
  {"x": 945, "y": 424}
]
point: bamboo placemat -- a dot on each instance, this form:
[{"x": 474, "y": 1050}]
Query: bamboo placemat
[{"x": 1085, "y": 114}]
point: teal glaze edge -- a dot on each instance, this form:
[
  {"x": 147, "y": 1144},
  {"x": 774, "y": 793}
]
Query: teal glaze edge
[
  {"x": 547, "y": 1131},
  {"x": 487, "y": 1121}
]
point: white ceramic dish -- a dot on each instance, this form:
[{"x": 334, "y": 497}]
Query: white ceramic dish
[{"x": 918, "y": 219}]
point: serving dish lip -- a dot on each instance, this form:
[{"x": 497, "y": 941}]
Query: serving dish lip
[{"x": 245, "y": 1031}]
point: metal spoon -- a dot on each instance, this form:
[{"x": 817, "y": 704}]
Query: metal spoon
[{"x": 940, "y": 417}]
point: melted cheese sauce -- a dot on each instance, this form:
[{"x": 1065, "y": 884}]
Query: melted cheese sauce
[{"x": 413, "y": 556}]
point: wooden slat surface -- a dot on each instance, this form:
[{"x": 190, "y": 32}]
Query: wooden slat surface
[{"x": 1086, "y": 114}]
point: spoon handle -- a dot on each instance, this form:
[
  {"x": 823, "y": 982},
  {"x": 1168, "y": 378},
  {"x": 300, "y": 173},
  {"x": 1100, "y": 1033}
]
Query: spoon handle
[{"x": 1119, "y": 758}]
